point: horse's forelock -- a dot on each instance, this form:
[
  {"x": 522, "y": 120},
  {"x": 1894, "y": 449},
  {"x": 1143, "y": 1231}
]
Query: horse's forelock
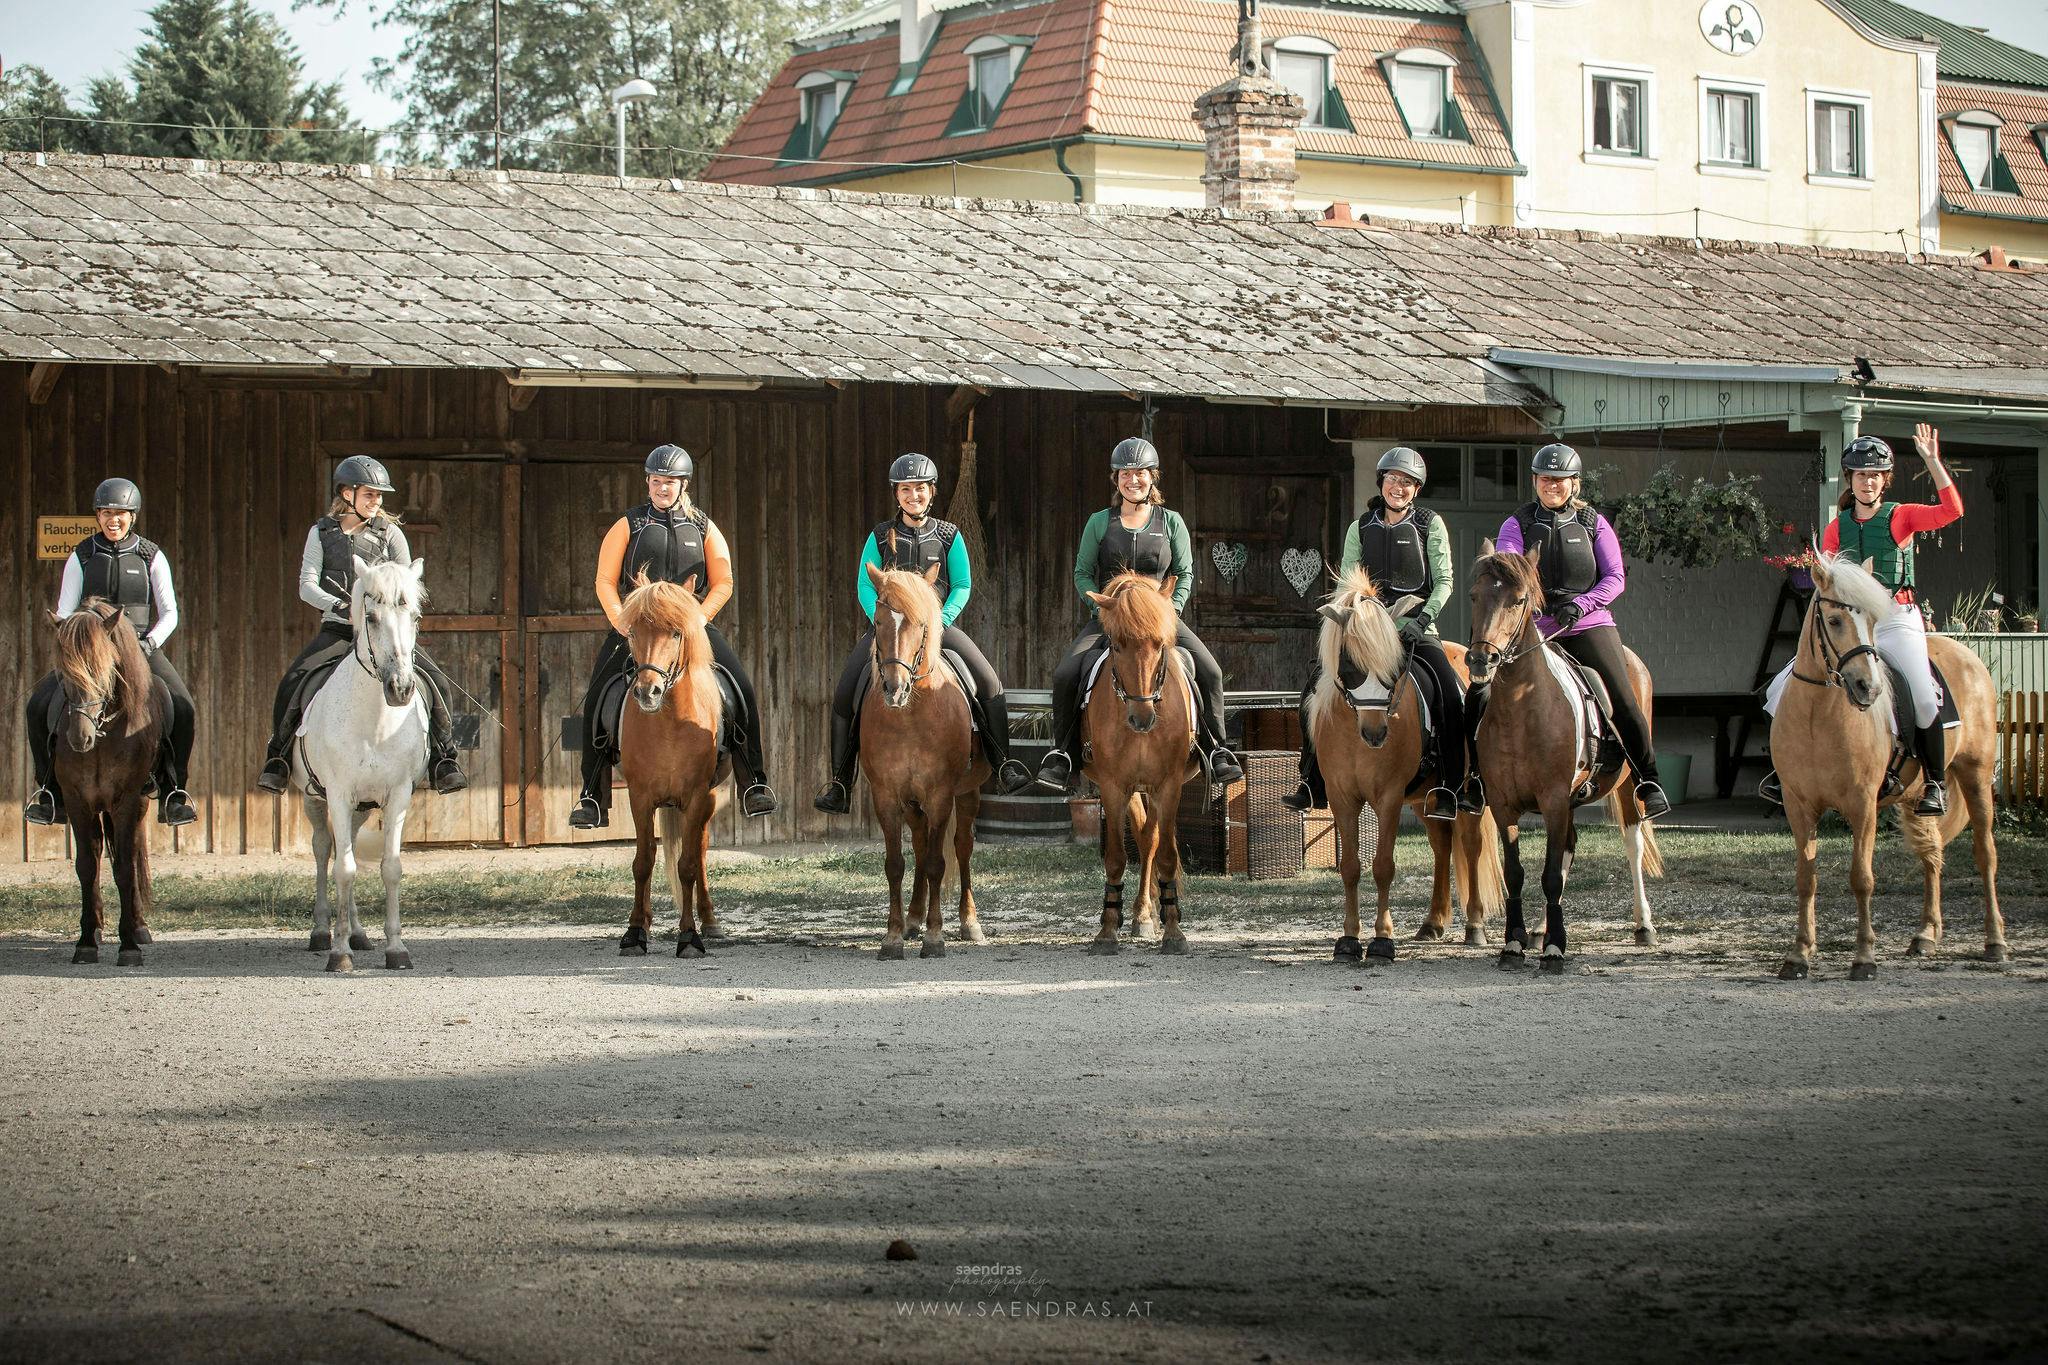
[
  {"x": 86, "y": 654},
  {"x": 392, "y": 584},
  {"x": 911, "y": 594},
  {"x": 1854, "y": 584},
  {"x": 1137, "y": 611}
]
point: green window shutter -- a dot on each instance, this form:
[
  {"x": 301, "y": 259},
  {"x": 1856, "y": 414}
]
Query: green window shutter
[
  {"x": 966, "y": 114},
  {"x": 1335, "y": 115},
  {"x": 2001, "y": 175},
  {"x": 1454, "y": 117},
  {"x": 798, "y": 147}
]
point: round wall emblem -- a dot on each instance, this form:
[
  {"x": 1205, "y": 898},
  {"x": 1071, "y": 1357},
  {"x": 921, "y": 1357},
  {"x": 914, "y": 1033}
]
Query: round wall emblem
[{"x": 1732, "y": 26}]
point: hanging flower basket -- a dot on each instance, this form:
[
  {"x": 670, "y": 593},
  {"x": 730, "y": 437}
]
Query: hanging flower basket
[{"x": 1797, "y": 568}]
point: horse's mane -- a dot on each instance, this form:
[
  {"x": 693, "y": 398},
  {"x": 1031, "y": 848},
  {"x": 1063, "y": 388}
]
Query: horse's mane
[
  {"x": 1137, "y": 611},
  {"x": 1367, "y": 635},
  {"x": 1854, "y": 584},
  {"x": 1511, "y": 569},
  {"x": 96, "y": 648},
  {"x": 910, "y": 594},
  {"x": 669, "y": 606},
  {"x": 392, "y": 583}
]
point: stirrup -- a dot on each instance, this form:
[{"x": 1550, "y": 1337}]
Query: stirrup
[
  {"x": 1933, "y": 799},
  {"x": 448, "y": 777},
  {"x": 1472, "y": 797},
  {"x": 43, "y": 808},
  {"x": 1013, "y": 777},
  {"x": 175, "y": 808},
  {"x": 1057, "y": 770},
  {"x": 1652, "y": 799},
  {"x": 1771, "y": 789},
  {"x": 1223, "y": 766},
  {"x": 1301, "y": 798},
  {"x": 1440, "y": 804},
  {"x": 276, "y": 775},
  {"x": 588, "y": 815},
  {"x": 835, "y": 799},
  {"x": 758, "y": 799}
]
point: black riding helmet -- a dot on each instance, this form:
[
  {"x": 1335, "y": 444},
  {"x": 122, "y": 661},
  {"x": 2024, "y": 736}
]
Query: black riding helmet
[
  {"x": 671, "y": 462},
  {"x": 1558, "y": 461},
  {"x": 360, "y": 471},
  {"x": 1402, "y": 460},
  {"x": 117, "y": 495},
  {"x": 1867, "y": 452},
  {"x": 911, "y": 467},
  {"x": 1133, "y": 453}
]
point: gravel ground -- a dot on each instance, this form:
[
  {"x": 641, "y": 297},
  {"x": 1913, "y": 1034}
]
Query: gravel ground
[{"x": 531, "y": 1149}]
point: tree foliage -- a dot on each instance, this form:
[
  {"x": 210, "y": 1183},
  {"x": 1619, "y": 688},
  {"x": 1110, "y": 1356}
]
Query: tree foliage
[
  {"x": 708, "y": 59},
  {"x": 215, "y": 79}
]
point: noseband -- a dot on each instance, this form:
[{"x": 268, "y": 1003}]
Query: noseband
[
  {"x": 1158, "y": 683},
  {"x": 918, "y": 666},
  {"x": 1835, "y": 659},
  {"x": 93, "y": 716}
]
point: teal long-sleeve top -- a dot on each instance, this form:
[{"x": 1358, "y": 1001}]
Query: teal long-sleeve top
[
  {"x": 1180, "y": 549},
  {"x": 959, "y": 579},
  {"x": 1437, "y": 547}
]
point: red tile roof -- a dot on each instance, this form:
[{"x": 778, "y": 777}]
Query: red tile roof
[
  {"x": 2022, "y": 112},
  {"x": 1114, "y": 68}
]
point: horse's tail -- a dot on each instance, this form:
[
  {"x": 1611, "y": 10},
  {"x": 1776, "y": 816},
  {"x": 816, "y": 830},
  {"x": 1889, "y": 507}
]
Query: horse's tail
[
  {"x": 668, "y": 825},
  {"x": 1485, "y": 891},
  {"x": 1653, "y": 856}
]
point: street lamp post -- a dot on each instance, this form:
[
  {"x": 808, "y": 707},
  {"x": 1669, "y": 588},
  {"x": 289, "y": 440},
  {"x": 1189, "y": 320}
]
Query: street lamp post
[{"x": 621, "y": 97}]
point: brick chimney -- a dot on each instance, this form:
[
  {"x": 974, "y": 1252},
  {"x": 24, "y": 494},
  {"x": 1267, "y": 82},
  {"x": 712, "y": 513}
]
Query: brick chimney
[{"x": 1248, "y": 127}]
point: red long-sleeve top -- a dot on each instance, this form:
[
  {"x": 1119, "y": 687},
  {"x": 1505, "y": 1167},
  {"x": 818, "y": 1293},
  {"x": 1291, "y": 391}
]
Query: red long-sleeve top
[{"x": 1907, "y": 519}]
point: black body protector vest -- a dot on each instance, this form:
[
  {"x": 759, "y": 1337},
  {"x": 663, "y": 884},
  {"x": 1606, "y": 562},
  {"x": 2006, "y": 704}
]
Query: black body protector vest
[
  {"x": 1396, "y": 556},
  {"x": 374, "y": 542},
  {"x": 120, "y": 574},
  {"x": 1568, "y": 566},
  {"x": 668, "y": 547},
  {"x": 1147, "y": 550},
  {"x": 917, "y": 550}
]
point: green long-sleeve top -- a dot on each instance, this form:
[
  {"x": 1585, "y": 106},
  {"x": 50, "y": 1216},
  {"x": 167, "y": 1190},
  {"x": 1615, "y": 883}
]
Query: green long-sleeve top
[
  {"x": 959, "y": 579},
  {"x": 1437, "y": 546},
  {"x": 1181, "y": 568}
]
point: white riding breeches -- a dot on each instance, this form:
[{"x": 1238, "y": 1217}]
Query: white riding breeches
[{"x": 1902, "y": 639}]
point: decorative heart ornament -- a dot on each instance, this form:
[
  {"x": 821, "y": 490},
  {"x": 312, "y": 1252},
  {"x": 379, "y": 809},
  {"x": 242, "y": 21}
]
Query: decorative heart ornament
[
  {"x": 1229, "y": 558},
  {"x": 1302, "y": 568}
]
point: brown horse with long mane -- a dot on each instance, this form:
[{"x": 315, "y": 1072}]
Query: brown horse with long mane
[
  {"x": 1138, "y": 730},
  {"x": 115, "y": 714},
  {"x": 1832, "y": 745},
  {"x": 668, "y": 754},
  {"x": 1529, "y": 753},
  {"x": 1371, "y": 747},
  {"x": 923, "y": 767}
]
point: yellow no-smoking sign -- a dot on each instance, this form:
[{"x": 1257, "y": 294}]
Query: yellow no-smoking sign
[{"x": 57, "y": 537}]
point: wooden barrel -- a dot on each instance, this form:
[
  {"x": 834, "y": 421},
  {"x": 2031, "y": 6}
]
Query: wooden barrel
[{"x": 1038, "y": 814}]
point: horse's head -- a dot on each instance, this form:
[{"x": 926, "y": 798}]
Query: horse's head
[
  {"x": 1507, "y": 597},
  {"x": 664, "y": 625},
  {"x": 98, "y": 658},
  {"x": 1837, "y": 641},
  {"x": 1360, "y": 652},
  {"x": 384, "y": 611},
  {"x": 908, "y": 628},
  {"x": 1139, "y": 623}
]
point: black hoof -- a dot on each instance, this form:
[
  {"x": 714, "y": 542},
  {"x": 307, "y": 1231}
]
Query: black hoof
[
  {"x": 320, "y": 943},
  {"x": 693, "y": 946},
  {"x": 1646, "y": 937},
  {"x": 633, "y": 943},
  {"x": 85, "y": 952},
  {"x": 129, "y": 957},
  {"x": 359, "y": 943},
  {"x": 397, "y": 962},
  {"x": 1429, "y": 933},
  {"x": 1791, "y": 970},
  {"x": 1104, "y": 947},
  {"x": 1863, "y": 971},
  {"x": 1174, "y": 945},
  {"x": 932, "y": 948},
  {"x": 1553, "y": 964},
  {"x": 891, "y": 952},
  {"x": 1381, "y": 948},
  {"x": 1512, "y": 957},
  {"x": 1347, "y": 950},
  {"x": 142, "y": 935}
]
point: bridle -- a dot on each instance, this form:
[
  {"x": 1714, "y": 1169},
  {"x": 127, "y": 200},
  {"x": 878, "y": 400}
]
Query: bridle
[
  {"x": 1521, "y": 645},
  {"x": 918, "y": 666},
  {"x": 665, "y": 676},
  {"x": 94, "y": 716},
  {"x": 1836, "y": 659},
  {"x": 1158, "y": 691}
]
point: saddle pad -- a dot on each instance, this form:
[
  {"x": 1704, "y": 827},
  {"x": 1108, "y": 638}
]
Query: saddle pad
[
  {"x": 1187, "y": 677},
  {"x": 1591, "y": 725},
  {"x": 1901, "y": 717}
]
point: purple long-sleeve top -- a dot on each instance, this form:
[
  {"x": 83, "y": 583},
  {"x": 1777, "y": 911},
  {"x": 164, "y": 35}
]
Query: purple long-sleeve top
[{"x": 1594, "y": 600}]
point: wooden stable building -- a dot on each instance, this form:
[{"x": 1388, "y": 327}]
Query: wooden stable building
[{"x": 511, "y": 345}]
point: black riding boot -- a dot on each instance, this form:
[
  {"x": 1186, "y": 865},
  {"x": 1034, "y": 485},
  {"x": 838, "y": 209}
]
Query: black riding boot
[
  {"x": 1011, "y": 776},
  {"x": 837, "y": 797},
  {"x": 1932, "y": 744},
  {"x": 758, "y": 798},
  {"x": 1472, "y": 796},
  {"x": 1311, "y": 793},
  {"x": 173, "y": 804}
]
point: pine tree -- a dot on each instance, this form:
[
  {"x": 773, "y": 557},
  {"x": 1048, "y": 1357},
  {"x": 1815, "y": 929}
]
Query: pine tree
[{"x": 36, "y": 115}]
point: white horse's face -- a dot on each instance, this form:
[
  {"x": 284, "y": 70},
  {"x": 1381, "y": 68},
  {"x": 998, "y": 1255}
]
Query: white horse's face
[{"x": 385, "y": 612}]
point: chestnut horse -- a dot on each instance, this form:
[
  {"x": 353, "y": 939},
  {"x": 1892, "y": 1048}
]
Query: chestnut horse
[
  {"x": 922, "y": 764},
  {"x": 1528, "y": 753},
  {"x": 1371, "y": 746},
  {"x": 668, "y": 754},
  {"x": 115, "y": 715},
  {"x": 1138, "y": 731},
  {"x": 1832, "y": 743}
]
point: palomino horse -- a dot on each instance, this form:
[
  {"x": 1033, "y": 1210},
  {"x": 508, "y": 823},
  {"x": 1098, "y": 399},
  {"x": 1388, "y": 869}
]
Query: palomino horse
[
  {"x": 1371, "y": 744},
  {"x": 1138, "y": 732},
  {"x": 668, "y": 754},
  {"x": 115, "y": 714},
  {"x": 922, "y": 764},
  {"x": 363, "y": 743},
  {"x": 1528, "y": 753},
  {"x": 1832, "y": 743}
]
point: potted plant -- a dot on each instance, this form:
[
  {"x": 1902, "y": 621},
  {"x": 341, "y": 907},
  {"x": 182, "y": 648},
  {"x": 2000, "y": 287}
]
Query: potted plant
[
  {"x": 1692, "y": 523},
  {"x": 1797, "y": 568}
]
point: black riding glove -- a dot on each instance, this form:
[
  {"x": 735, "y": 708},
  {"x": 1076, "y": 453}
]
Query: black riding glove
[
  {"x": 1410, "y": 629},
  {"x": 1567, "y": 616}
]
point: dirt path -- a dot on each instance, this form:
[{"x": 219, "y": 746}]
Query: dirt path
[{"x": 530, "y": 1149}]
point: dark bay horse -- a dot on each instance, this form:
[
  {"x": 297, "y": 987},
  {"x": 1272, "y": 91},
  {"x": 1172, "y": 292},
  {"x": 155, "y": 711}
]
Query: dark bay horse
[
  {"x": 1138, "y": 731},
  {"x": 1529, "y": 753},
  {"x": 925, "y": 770},
  {"x": 668, "y": 754},
  {"x": 115, "y": 714}
]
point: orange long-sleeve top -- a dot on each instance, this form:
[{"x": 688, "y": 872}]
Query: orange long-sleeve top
[{"x": 611, "y": 564}]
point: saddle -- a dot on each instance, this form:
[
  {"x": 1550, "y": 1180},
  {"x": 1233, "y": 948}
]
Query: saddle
[
  {"x": 961, "y": 679},
  {"x": 611, "y": 707},
  {"x": 1599, "y": 742}
]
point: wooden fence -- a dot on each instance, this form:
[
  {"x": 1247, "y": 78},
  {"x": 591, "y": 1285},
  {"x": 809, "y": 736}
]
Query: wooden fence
[{"x": 2022, "y": 739}]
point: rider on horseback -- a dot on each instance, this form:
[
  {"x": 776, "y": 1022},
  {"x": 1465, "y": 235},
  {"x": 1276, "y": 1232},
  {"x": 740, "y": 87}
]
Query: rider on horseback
[
  {"x": 915, "y": 540},
  {"x": 1582, "y": 572},
  {"x": 134, "y": 575},
  {"x": 1139, "y": 534},
  {"x": 1881, "y": 533},
  {"x": 355, "y": 527},
  {"x": 671, "y": 540},
  {"x": 1407, "y": 550}
]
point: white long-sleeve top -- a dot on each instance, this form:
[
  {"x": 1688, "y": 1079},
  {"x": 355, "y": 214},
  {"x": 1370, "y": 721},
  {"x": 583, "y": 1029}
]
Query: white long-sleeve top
[
  {"x": 313, "y": 562},
  {"x": 71, "y": 591}
]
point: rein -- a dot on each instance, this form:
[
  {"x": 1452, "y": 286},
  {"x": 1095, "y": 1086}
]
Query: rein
[{"x": 1835, "y": 659}]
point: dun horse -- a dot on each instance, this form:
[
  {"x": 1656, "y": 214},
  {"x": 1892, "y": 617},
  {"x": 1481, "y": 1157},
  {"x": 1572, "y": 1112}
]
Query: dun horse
[
  {"x": 1832, "y": 743},
  {"x": 115, "y": 714},
  {"x": 1528, "y": 752},
  {"x": 668, "y": 754},
  {"x": 1371, "y": 746},
  {"x": 922, "y": 764},
  {"x": 1138, "y": 730}
]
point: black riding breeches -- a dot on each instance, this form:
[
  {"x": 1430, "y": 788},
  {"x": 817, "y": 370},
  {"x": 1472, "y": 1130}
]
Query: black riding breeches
[
  {"x": 1600, "y": 649},
  {"x": 995, "y": 707},
  {"x": 176, "y": 759},
  {"x": 1210, "y": 724},
  {"x": 614, "y": 657}
]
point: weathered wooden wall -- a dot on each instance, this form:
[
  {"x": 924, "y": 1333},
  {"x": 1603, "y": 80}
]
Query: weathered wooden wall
[{"x": 233, "y": 470}]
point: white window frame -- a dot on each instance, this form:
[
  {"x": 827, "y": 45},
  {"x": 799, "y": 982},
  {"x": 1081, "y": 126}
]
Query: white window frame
[
  {"x": 1993, "y": 127},
  {"x": 806, "y": 90},
  {"x": 1637, "y": 75},
  {"x": 1865, "y": 140},
  {"x": 1307, "y": 45},
  {"x": 1759, "y": 131},
  {"x": 1423, "y": 57}
]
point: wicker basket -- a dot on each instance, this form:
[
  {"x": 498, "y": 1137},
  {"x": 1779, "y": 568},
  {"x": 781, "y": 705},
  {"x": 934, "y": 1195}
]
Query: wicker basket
[{"x": 1273, "y": 833}]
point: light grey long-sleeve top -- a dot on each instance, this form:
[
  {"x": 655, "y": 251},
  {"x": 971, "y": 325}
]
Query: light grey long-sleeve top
[{"x": 313, "y": 561}]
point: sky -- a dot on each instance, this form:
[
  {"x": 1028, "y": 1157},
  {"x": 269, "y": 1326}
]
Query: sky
[{"x": 75, "y": 40}]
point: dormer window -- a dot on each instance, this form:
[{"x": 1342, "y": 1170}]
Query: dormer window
[
  {"x": 1421, "y": 81},
  {"x": 1307, "y": 66},
  {"x": 821, "y": 98},
  {"x": 1974, "y": 136},
  {"x": 992, "y": 64}
]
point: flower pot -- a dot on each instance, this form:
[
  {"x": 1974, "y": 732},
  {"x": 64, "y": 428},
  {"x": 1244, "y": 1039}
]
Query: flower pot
[
  {"x": 1800, "y": 577},
  {"x": 1085, "y": 815},
  {"x": 1675, "y": 772}
]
